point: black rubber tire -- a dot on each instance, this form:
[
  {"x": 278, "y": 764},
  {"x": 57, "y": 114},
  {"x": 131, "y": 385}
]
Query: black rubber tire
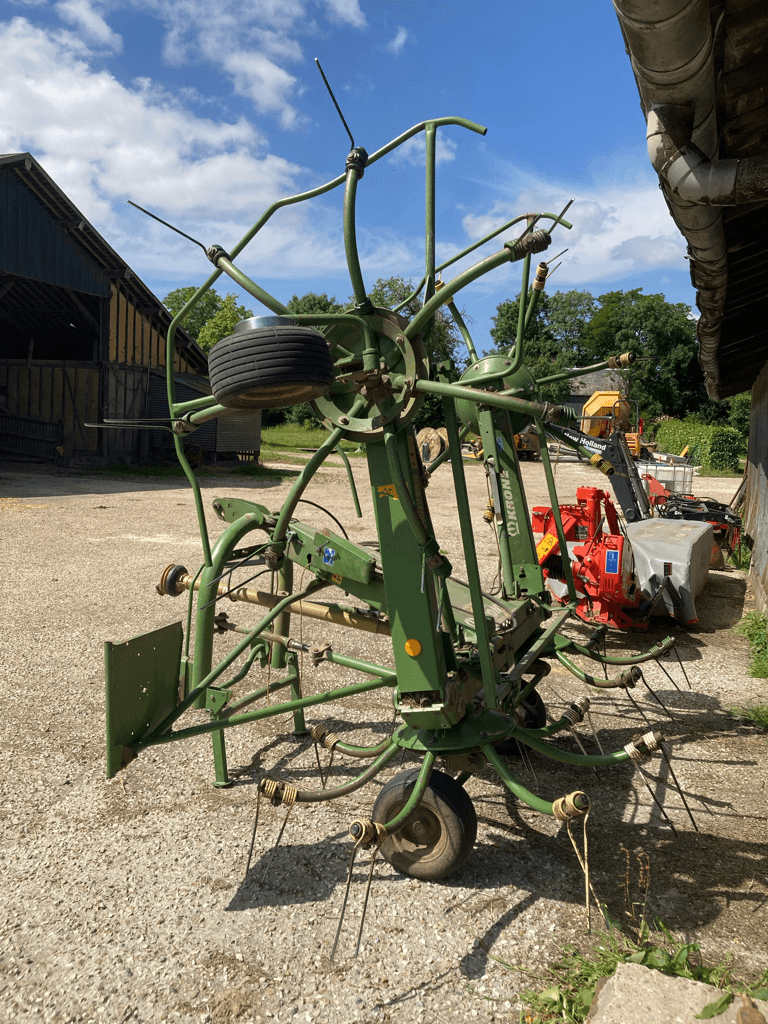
[
  {"x": 535, "y": 718},
  {"x": 438, "y": 838},
  {"x": 270, "y": 367}
]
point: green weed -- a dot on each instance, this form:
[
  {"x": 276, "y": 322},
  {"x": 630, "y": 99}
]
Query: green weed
[
  {"x": 569, "y": 984},
  {"x": 754, "y": 626},
  {"x": 757, "y": 713},
  {"x": 571, "y": 981}
]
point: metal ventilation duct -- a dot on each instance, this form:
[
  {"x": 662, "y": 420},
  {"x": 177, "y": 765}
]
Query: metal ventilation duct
[{"x": 670, "y": 44}]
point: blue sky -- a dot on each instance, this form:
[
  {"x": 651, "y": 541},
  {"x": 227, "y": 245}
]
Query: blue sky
[{"x": 206, "y": 112}]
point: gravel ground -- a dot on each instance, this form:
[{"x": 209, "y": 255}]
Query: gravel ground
[{"x": 124, "y": 900}]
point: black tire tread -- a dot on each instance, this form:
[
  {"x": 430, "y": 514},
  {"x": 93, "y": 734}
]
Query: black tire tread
[{"x": 446, "y": 789}]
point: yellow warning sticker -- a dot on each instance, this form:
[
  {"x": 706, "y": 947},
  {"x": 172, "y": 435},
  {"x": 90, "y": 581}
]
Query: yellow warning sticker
[
  {"x": 545, "y": 545},
  {"x": 388, "y": 490},
  {"x": 336, "y": 578}
]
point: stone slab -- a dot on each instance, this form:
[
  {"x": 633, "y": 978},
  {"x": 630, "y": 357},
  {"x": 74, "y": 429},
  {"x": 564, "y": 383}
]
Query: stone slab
[{"x": 639, "y": 995}]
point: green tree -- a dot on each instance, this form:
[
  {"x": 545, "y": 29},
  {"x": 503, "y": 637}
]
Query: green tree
[
  {"x": 555, "y": 339},
  {"x": 667, "y": 378},
  {"x": 209, "y": 304},
  {"x": 314, "y": 303},
  {"x": 222, "y": 323}
]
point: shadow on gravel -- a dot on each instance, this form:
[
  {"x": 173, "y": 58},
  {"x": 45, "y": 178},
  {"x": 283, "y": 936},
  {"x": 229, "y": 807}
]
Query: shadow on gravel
[
  {"x": 691, "y": 878},
  {"x": 42, "y": 481}
]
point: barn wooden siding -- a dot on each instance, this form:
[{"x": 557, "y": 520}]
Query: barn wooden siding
[
  {"x": 135, "y": 346},
  {"x": 56, "y": 392},
  {"x": 134, "y": 338},
  {"x": 756, "y": 503}
]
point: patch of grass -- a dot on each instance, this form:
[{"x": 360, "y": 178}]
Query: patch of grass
[
  {"x": 740, "y": 558},
  {"x": 292, "y": 437},
  {"x": 757, "y": 713},
  {"x": 572, "y": 979},
  {"x": 754, "y": 626},
  {"x": 706, "y": 470}
]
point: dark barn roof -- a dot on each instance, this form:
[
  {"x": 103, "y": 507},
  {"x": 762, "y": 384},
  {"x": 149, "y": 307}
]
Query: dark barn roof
[
  {"x": 55, "y": 267},
  {"x": 701, "y": 67}
]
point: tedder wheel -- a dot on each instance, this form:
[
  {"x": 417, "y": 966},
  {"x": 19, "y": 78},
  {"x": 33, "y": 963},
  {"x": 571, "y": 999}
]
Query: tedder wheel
[
  {"x": 270, "y": 362},
  {"x": 439, "y": 836}
]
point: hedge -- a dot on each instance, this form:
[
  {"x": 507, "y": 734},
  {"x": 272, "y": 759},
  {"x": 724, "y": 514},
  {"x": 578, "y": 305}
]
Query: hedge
[{"x": 708, "y": 445}]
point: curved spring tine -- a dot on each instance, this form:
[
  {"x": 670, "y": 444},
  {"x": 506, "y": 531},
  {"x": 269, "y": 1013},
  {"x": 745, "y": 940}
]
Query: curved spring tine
[
  {"x": 680, "y": 663},
  {"x": 253, "y": 837},
  {"x": 355, "y": 848},
  {"x": 365, "y": 901},
  {"x": 669, "y": 677},
  {"x": 668, "y": 759},
  {"x": 659, "y": 804},
  {"x": 594, "y": 731},
  {"x": 656, "y": 697},
  {"x": 277, "y": 843}
]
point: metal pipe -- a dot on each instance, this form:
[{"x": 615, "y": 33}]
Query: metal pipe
[
  {"x": 350, "y": 241},
  {"x": 310, "y": 796},
  {"x": 415, "y": 797},
  {"x": 226, "y": 264},
  {"x": 155, "y": 738},
  {"x": 326, "y": 612},
  {"x": 514, "y": 785}
]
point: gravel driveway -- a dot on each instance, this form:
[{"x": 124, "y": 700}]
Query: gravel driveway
[{"x": 125, "y": 900}]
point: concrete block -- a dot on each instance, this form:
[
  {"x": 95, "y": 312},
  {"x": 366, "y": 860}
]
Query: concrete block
[{"x": 639, "y": 995}]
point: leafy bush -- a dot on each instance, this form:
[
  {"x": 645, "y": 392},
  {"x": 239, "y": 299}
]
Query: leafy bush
[{"x": 711, "y": 446}]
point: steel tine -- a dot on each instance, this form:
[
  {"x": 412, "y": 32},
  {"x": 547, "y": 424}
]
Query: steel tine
[
  {"x": 656, "y": 697},
  {"x": 655, "y": 799},
  {"x": 319, "y": 765},
  {"x": 528, "y": 762},
  {"x": 682, "y": 666},
  {"x": 344, "y": 904},
  {"x": 253, "y": 837},
  {"x": 594, "y": 732},
  {"x": 582, "y": 748},
  {"x": 667, "y": 758},
  {"x": 669, "y": 677},
  {"x": 277, "y": 843},
  {"x": 365, "y": 901},
  {"x": 642, "y": 713}
]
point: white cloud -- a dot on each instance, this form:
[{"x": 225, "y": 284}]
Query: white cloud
[
  {"x": 259, "y": 78},
  {"x": 250, "y": 41},
  {"x": 414, "y": 151},
  {"x": 401, "y": 37},
  {"x": 603, "y": 243},
  {"x": 90, "y": 22},
  {"x": 104, "y": 143},
  {"x": 644, "y": 251},
  {"x": 347, "y": 11}
]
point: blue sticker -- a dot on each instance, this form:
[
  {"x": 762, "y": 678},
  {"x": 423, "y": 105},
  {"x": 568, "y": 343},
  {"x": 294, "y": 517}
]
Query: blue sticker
[
  {"x": 328, "y": 556},
  {"x": 612, "y": 562},
  {"x": 500, "y": 442}
]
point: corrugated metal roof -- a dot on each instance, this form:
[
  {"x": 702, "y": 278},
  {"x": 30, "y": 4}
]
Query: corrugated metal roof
[
  {"x": 48, "y": 253},
  {"x": 83, "y": 238}
]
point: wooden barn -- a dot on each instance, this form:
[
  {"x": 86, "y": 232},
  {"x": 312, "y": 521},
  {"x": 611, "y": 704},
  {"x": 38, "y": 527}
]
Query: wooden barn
[{"x": 82, "y": 338}]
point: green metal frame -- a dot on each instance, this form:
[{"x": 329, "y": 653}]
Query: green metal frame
[{"x": 461, "y": 658}]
